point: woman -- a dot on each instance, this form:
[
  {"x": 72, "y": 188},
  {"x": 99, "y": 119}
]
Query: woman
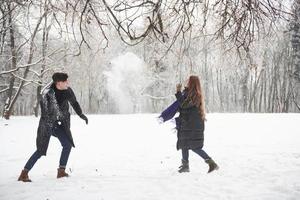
[{"x": 190, "y": 124}]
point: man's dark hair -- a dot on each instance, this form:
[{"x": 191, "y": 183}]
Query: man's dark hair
[{"x": 59, "y": 76}]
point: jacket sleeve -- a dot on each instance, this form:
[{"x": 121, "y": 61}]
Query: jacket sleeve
[
  {"x": 179, "y": 97},
  {"x": 74, "y": 103}
]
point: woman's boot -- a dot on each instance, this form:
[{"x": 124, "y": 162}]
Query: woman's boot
[
  {"x": 61, "y": 173},
  {"x": 24, "y": 176},
  {"x": 212, "y": 165},
  {"x": 184, "y": 167}
]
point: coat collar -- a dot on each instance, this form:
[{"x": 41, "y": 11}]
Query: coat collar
[{"x": 46, "y": 88}]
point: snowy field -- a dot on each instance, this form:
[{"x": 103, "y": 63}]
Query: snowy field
[{"x": 132, "y": 157}]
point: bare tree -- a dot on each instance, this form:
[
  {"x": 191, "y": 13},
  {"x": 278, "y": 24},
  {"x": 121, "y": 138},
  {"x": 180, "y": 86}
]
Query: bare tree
[
  {"x": 7, "y": 11},
  {"x": 295, "y": 40},
  {"x": 175, "y": 38}
]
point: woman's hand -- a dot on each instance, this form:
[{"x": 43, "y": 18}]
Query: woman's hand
[{"x": 178, "y": 87}]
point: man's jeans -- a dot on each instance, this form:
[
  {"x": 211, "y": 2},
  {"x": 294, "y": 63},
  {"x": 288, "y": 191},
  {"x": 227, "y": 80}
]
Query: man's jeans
[
  {"x": 199, "y": 151},
  {"x": 62, "y": 137}
]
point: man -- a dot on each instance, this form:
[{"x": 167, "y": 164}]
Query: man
[{"x": 55, "y": 121}]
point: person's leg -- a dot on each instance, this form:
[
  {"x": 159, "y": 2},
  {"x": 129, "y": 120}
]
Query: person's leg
[
  {"x": 201, "y": 153},
  {"x": 185, "y": 161},
  {"x": 28, "y": 166},
  {"x": 32, "y": 160},
  {"x": 211, "y": 163},
  {"x": 66, "y": 146},
  {"x": 185, "y": 154},
  {"x": 62, "y": 137}
]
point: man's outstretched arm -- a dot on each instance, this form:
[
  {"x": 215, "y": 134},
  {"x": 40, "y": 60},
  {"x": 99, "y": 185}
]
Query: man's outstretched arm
[{"x": 74, "y": 103}]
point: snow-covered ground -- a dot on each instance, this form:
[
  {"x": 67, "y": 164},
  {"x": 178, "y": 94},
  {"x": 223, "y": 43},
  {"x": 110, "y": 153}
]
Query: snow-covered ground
[{"x": 120, "y": 157}]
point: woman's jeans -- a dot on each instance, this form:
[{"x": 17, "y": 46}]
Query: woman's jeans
[
  {"x": 65, "y": 143},
  {"x": 199, "y": 151}
]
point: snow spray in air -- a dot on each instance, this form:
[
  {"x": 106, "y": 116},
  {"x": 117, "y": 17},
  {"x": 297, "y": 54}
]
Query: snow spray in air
[{"x": 125, "y": 81}]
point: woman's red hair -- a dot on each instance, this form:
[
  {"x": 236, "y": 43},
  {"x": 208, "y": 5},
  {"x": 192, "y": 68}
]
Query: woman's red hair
[{"x": 195, "y": 94}]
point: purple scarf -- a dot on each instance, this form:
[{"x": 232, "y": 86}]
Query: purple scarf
[{"x": 171, "y": 110}]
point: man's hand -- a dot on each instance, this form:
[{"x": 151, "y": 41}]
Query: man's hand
[
  {"x": 178, "y": 87},
  {"x": 82, "y": 116}
]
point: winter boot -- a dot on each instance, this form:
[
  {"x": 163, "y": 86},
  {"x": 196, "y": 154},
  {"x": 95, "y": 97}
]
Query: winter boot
[
  {"x": 184, "y": 167},
  {"x": 24, "y": 176},
  {"x": 212, "y": 165},
  {"x": 61, "y": 173}
]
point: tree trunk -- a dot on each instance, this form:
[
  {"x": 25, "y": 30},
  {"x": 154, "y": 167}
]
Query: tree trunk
[
  {"x": 7, "y": 110},
  {"x": 31, "y": 51},
  {"x": 295, "y": 41},
  {"x": 43, "y": 67}
]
